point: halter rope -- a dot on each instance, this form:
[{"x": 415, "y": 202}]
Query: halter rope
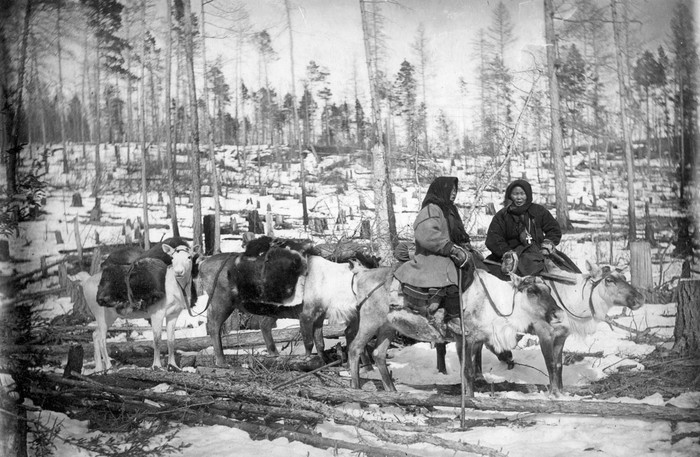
[{"x": 491, "y": 301}]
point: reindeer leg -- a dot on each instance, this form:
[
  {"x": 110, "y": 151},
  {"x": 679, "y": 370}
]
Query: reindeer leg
[
  {"x": 104, "y": 317},
  {"x": 478, "y": 365},
  {"x": 468, "y": 365},
  {"x": 357, "y": 347},
  {"x": 440, "y": 352},
  {"x": 311, "y": 328},
  {"x": 157, "y": 326},
  {"x": 383, "y": 340},
  {"x": 267, "y": 323},
  {"x": 557, "y": 350},
  {"x": 170, "y": 328},
  {"x": 545, "y": 333},
  {"x": 218, "y": 312}
]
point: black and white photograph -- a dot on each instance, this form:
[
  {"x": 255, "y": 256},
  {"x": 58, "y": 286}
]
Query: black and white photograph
[{"x": 415, "y": 228}]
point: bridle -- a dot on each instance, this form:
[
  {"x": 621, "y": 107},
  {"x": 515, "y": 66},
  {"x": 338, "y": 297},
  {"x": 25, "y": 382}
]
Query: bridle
[{"x": 591, "y": 308}]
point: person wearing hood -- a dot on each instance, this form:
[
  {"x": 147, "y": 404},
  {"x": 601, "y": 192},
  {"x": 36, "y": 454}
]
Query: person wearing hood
[
  {"x": 442, "y": 249},
  {"x": 523, "y": 232}
]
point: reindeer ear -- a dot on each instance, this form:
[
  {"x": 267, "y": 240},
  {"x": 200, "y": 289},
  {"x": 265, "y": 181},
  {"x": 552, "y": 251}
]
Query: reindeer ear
[
  {"x": 196, "y": 250},
  {"x": 168, "y": 249},
  {"x": 594, "y": 269},
  {"x": 516, "y": 280}
]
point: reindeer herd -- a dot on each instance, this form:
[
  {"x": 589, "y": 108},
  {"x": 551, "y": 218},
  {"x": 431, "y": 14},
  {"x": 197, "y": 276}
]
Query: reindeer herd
[{"x": 278, "y": 278}]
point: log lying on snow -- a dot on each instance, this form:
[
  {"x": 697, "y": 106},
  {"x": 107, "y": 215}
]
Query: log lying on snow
[
  {"x": 282, "y": 362},
  {"x": 338, "y": 395},
  {"x": 264, "y": 395},
  {"x": 596, "y": 408},
  {"x": 144, "y": 347},
  {"x": 208, "y": 411},
  {"x": 240, "y": 410}
]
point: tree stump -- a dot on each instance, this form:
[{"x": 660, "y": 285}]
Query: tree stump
[
  {"x": 4, "y": 250},
  {"x": 365, "y": 230},
  {"x": 209, "y": 234},
  {"x": 77, "y": 200},
  {"x": 75, "y": 361},
  {"x": 687, "y": 331},
  {"x": 80, "y": 309},
  {"x": 319, "y": 224},
  {"x": 640, "y": 266},
  {"x": 255, "y": 224},
  {"x": 96, "y": 260},
  {"x": 96, "y": 212}
]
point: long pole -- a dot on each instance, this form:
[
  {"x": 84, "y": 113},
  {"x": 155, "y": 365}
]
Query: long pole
[
  {"x": 305, "y": 214},
  {"x": 462, "y": 377}
]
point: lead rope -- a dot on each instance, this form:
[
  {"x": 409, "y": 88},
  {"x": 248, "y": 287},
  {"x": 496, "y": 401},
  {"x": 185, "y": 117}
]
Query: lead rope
[
  {"x": 563, "y": 306},
  {"x": 493, "y": 303},
  {"x": 463, "y": 377}
]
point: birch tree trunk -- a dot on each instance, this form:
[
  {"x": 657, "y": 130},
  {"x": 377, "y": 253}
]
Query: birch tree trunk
[
  {"x": 98, "y": 130},
  {"x": 61, "y": 107},
  {"x": 144, "y": 152},
  {"x": 384, "y": 225},
  {"x": 212, "y": 157},
  {"x": 629, "y": 159},
  {"x": 194, "y": 128},
  {"x": 170, "y": 161},
  {"x": 554, "y": 110},
  {"x": 295, "y": 118},
  {"x": 129, "y": 108},
  {"x": 84, "y": 117}
]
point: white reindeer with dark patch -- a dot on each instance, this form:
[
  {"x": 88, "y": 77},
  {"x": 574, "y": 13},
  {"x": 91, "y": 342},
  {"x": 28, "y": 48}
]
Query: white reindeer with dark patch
[{"x": 176, "y": 287}]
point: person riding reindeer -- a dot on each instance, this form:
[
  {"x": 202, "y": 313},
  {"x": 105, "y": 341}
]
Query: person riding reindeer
[
  {"x": 429, "y": 279},
  {"x": 522, "y": 233}
]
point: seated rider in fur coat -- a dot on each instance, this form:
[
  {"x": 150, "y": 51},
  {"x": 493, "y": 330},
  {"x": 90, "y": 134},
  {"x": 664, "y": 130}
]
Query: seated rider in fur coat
[
  {"x": 522, "y": 233},
  {"x": 442, "y": 248}
]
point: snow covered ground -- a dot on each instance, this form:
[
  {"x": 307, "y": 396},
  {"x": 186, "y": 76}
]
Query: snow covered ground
[
  {"x": 533, "y": 434},
  {"x": 414, "y": 366}
]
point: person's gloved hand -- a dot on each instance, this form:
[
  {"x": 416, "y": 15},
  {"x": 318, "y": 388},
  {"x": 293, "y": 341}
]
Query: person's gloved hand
[
  {"x": 459, "y": 256},
  {"x": 547, "y": 247},
  {"x": 509, "y": 262}
]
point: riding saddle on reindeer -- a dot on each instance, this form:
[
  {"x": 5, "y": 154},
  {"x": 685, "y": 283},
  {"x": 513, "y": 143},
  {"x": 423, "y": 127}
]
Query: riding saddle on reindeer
[{"x": 430, "y": 313}]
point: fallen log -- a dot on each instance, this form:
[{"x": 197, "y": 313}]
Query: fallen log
[
  {"x": 258, "y": 431},
  {"x": 261, "y": 393},
  {"x": 33, "y": 296},
  {"x": 144, "y": 347},
  {"x": 242, "y": 410},
  {"x": 282, "y": 362},
  {"x": 595, "y": 408}
]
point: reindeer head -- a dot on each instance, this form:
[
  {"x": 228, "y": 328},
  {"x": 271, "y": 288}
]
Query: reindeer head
[
  {"x": 182, "y": 259},
  {"x": 612, "y": 287}
]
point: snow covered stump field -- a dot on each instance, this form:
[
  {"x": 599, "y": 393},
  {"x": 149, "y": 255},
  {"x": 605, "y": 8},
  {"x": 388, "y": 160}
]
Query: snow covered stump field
[{"x": 610, "y": 350}]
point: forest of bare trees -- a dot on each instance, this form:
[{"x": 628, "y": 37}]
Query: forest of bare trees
[{"x": 90, "y": 74}]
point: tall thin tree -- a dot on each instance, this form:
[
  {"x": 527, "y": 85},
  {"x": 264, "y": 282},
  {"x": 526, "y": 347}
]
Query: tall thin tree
[
  {"x": 169, "y": 158},
  {"x": 554, "y": 113},
  {"x": 61, "y": 103},
  {"x": 144, "y": 151},
  {"x": 385, "y": 222},
  {"x": 210, "y": 137},
  {"x": 621, "y": 77},
  {"x": 295, "y": 127}
]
